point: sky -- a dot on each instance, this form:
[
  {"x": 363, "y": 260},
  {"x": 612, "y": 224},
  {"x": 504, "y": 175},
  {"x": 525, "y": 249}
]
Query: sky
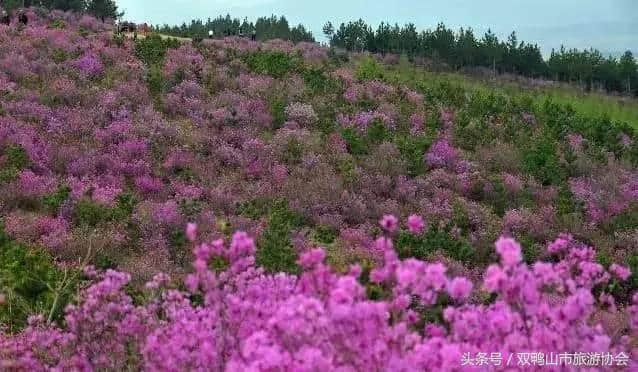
[{"x": 610, "y": 26}]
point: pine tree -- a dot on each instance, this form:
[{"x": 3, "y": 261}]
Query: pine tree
[
  {"x": 103, "y": 9},
  {"x": 628, "y": 69}
]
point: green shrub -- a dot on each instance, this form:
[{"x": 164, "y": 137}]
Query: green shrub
[
  {"x": 16, "y": 159},
  {"x": 32, "y": 284},
  {"x": 89, "y": 213},
  {"x": 357, "y": 145},
  {"x": 318, "y": 82},
  {"x": 377, "y": 132},
  {"x": 347, "y": 169},
  {"x": 177, "y": 243},
  {"x": 58, "y": 23},
  {"x": 325, "y": 234},
  {"x": 277, "y": 108},
  {"x": 293, "y": 152},
  {"x": 540, "y": 159},
  {"x": 53, "y": 201},
  {"x": 254, "y": 209},
  {"x": 413, "y": 149},
  {"x": 435, "y": 239},
  {"x": 155, "y": 81},
  {"x": 369, "y": 69},
  {"x": 152, "y": 49},
  {"x": 59, "y": 55},
  {"x": 275, "y": 252},
  {"x": 275, "y": 64}
]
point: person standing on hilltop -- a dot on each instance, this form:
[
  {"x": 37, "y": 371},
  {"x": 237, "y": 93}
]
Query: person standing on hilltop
[
  {"x": 253, "y": 36},
  {"x": 23, "y": 19},
  {"x": 5, "y": 19},
  {"x": 210, "y": 34}
]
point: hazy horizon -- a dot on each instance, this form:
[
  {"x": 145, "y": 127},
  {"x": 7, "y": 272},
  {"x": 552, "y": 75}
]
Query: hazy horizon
[{"x": 611, "y": 26}]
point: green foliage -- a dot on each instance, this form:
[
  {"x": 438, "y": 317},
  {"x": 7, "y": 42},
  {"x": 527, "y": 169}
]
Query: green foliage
[
  {"x": 369, "y": 69},
  {"x": 152, "y": 49},
  {"x": 53, "y": 201},
  {"x": 293, "y": 152},
  {"x": 155, "y": 81},
  {"x": 83, "y": 32},
  {"x": 254, "y": 209},
  {"x": 275, "y": 251},
  {"x": 265, "y": 28},
  {"x": 177, "y": 246},
  {"x": 275, "y": 64},
  {"x": 58, "y": 23},
  {"x": 325, "y": 234},
  {"x": 347, "y": 169},
  {"x": 316, "y": 81},
  {"x": 445, "y": 92},
  {"x": 626, "y": 221},
  {"x": 413, "y": 149},
  {"x": 540, "y": 159},
  {"x": 31, "y": 284},
  {"x": 356, "y": 144},
  {"x": 59, "y": 55},
  {"x": 277, "y": 108},
  {"x": 377, "y": 133},
  {"x": 103, "y": 9},
  {"x": 435, "y": 239},
  {"x": 190, "y": 208},
  {"x": 89, "y": 213},
  {"x": 16, "y": 159},
  {"x": 486, "y": 103}
]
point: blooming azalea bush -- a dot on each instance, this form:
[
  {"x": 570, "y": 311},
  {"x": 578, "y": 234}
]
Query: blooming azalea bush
[{"x": 229, "y": 314}]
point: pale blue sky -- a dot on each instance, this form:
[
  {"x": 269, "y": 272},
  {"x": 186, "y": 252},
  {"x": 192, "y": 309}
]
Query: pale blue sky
[{"x": 609, "y": 25}]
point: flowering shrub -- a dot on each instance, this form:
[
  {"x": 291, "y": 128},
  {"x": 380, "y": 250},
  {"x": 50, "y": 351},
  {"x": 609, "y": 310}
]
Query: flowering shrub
[
  {"x": 89, "y": 65},
  {"x": 247, "y": 319}
]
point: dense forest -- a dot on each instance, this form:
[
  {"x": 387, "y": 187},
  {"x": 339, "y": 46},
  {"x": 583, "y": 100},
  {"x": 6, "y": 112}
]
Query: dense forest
[
  {"x": 463, "y": 48},
  {"x": 99, "y": 8},
  {"x": 265, "y": 28},
  {"x": 588, "y": 68}
]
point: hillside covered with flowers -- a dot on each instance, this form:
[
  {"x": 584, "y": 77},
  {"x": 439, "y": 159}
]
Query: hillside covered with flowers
[{"x": 245, "y": 206}]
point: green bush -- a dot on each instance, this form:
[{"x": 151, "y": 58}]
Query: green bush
[
  {"x": 377, "y": 132},
  {"x": 152, "y": 49},
  {"x": 254, "y": 209},
  {"x": 89, "y": 213},
  {"x": 16, "y": 160},
  {"x": 293, "y": 152},
  {"x": 357, "y": 145},
  {"x": 275, "y": 252},
  {"x": 413, "y": 149},
  {"x": 325, "y": 234},
  {"x": 275, "y": 64},
  {"x": 155, "y": 81},
  {"x": 435, "y": 239},
  {"x": 369, "y": 69},
  {"x": 32, "y": 284},
  {"x": 540, "y": 159},
  {"x": 317, "y": 82},
  {"x": 277, "y": 108},
  {"x": 53, "y": 201}
]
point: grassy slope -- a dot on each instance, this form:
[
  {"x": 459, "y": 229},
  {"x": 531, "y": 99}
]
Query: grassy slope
[{"x": 588, "y": 104}]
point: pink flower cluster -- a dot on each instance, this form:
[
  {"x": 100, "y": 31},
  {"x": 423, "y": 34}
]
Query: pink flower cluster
[{"x": 249, "y": 320}]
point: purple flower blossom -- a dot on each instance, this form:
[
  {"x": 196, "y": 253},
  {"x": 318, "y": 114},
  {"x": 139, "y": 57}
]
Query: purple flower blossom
[
  {"x": 416, "y": 224},
  {"x": 89, "y": 65},
  {"x": 389, "y": 223}
]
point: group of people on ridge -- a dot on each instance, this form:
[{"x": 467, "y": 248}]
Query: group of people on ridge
[
  {"x": 229, "y": 32},
  {"x": 5, "y": 18}
]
